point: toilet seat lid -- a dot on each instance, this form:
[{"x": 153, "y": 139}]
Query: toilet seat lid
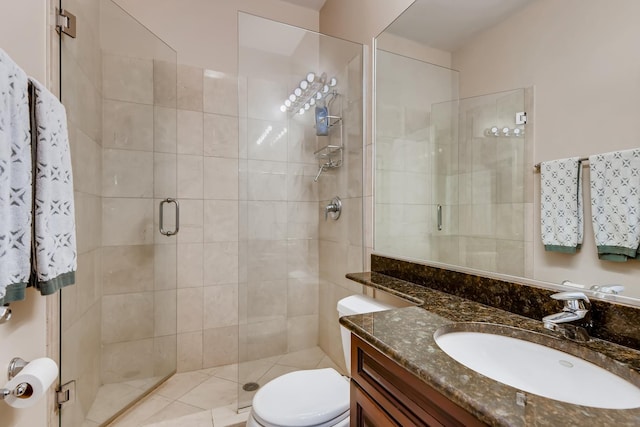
[{"x": 303, "y": 399}]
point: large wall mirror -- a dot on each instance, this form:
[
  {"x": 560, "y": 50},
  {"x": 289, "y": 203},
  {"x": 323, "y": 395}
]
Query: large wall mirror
[{"x": 470, "y": 95}]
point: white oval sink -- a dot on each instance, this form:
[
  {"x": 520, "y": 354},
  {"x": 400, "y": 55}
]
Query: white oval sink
[{"x": 538, "y": 369}]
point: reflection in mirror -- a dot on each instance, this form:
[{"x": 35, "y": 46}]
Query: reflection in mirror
[
  {"x": 412, "y": 167},
  {"x": 455, "y": 182},
  {"x": 449, "y": 171}
]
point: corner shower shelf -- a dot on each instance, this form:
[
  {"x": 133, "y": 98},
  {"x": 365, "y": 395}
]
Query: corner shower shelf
[
  {"x": 334, "y": 120},
  {"x": 327, "y": 151},
  {"x": 331, "y": 155}
]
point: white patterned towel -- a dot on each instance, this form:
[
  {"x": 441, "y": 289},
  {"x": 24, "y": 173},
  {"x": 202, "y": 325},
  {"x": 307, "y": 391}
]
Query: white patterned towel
[
  {"x": 55, "y": 258},
  {"x": 615, "y": 204},
  {"x": 15, "y": 181},
  {"x": 561, "y": 216}
]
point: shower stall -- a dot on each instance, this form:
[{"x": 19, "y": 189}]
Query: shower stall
[
  {"x": 301, "y": 145},
  {"x": 118, "y": 322},
  {"x": 252, "y": 279}
]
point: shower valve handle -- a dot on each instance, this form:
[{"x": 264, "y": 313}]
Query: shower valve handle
[{"x": 335, "y": 207}]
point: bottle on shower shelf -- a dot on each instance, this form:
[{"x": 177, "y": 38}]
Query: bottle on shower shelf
[{"x": 322, "y": 120}]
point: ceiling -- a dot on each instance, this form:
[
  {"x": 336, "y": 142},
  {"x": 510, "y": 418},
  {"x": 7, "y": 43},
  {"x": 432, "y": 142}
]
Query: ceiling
[
  {"x": 449, "y": 24},
  {"x": 309, "y": 4},
  {"x": 443, "y": 24},
  {"x": 283, "y": 39}
]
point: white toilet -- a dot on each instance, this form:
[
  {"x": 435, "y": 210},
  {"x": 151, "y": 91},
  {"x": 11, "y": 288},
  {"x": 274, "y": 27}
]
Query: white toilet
[{"x": 315, "y": 397}]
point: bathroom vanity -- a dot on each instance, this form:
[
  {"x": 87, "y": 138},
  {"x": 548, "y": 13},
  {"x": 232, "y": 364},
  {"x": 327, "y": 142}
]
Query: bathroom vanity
[
  {"x": 402, "y": 377},
  {"x": 384, "y": 393}
]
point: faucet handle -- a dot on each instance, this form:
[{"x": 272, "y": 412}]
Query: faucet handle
[
  {"x": 608, "y": 289},
  {"x": 573, "y": 301},
  {"x": 335, "y": 207},
  {"x": 570, "y": 296}
]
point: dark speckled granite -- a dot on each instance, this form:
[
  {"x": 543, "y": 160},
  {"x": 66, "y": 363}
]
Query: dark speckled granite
[
  {"x": 406, "y": 335},
  {"x": 617, "y": 323}
]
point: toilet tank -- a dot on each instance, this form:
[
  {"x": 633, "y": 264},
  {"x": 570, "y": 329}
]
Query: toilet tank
[{"x": 356, "y": 304}]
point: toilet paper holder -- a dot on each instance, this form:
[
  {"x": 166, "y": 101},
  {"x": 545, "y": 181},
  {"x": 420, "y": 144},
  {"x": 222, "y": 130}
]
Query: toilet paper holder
[{"x": 15, "y": 366}]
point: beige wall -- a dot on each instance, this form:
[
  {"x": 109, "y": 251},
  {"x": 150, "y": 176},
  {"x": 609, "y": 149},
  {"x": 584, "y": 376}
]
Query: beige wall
[
  {"x": 205, "y": 32},
  {"x": 359, "y": 20},
  {"x": 24, "y": 336},
  {"x": 581, "y": 57},
  {"x": 24, "y": 38},
  {"x": 401, "y": 46}
]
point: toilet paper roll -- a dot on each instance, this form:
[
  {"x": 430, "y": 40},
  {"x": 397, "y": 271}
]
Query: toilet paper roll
[{"x": 39, "y": 374}]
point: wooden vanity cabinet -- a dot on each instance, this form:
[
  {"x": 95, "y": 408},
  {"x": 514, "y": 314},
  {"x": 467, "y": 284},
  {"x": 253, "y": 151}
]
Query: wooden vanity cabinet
[{"x": 385, "y": 394}]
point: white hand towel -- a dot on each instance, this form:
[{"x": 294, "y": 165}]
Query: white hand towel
[
  {"x": 55, "y": 259},
  {"x": 561, "y": 216},
  {"x": 15, "y": 181},
  {"x": 615, "y": 204}
]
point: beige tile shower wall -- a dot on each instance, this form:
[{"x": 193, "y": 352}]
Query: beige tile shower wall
[
  {"x": 341, "y": 242},
  {"x": 164, "y": 268},
  {"x": 207, "y": 188},
  {"x": 208, "y": 173},
  {"x": 278, "y": 223},
  {"x": 139, "y": 264},
  {"x": 220, "y": 220},
  {"x": 81, "y": 304}
]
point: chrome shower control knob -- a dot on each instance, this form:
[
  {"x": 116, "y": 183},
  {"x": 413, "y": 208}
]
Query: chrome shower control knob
[{"x": 334, "y": 207}]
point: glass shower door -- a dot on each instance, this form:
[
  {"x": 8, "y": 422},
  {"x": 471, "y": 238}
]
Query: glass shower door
[
  {"x": 494, "y": 148},
  {"x": 416, "y": 158},
  {"x": 292, "y": 262},
  {"x": 118, "y": 322},
  {"x": 479, "y": 182}
]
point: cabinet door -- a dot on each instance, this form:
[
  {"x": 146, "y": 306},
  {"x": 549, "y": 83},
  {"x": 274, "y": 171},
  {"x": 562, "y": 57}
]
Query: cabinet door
[
  {"x": 405, "y": 399},
  {"x": 365, "y": 412}
]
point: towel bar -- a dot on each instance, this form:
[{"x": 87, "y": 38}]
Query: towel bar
[{"x": 537, "y": 165}]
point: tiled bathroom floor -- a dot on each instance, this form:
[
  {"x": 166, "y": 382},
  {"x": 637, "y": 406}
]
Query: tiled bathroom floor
[{"x": 208, "y": 397}]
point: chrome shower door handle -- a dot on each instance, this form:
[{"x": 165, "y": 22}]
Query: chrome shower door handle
[
  {"x": 161, "y": 219},
  {"x": 439, "y": 217}
]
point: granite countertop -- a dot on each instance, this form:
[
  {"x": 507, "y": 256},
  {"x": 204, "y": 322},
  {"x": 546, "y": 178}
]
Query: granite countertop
[{"x": 406, "y": 336}]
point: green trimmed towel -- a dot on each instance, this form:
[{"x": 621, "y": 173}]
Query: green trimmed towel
[
  {"x": 615, "y": 204},
  {"x": 54, "y": 261},
  {"x": 15, "y": 181},
  {"x": 561, "y": 216}
]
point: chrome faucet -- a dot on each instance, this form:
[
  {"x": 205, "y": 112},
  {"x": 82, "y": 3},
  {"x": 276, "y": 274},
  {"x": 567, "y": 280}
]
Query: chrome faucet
[{"x": 574, "y": 319}]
